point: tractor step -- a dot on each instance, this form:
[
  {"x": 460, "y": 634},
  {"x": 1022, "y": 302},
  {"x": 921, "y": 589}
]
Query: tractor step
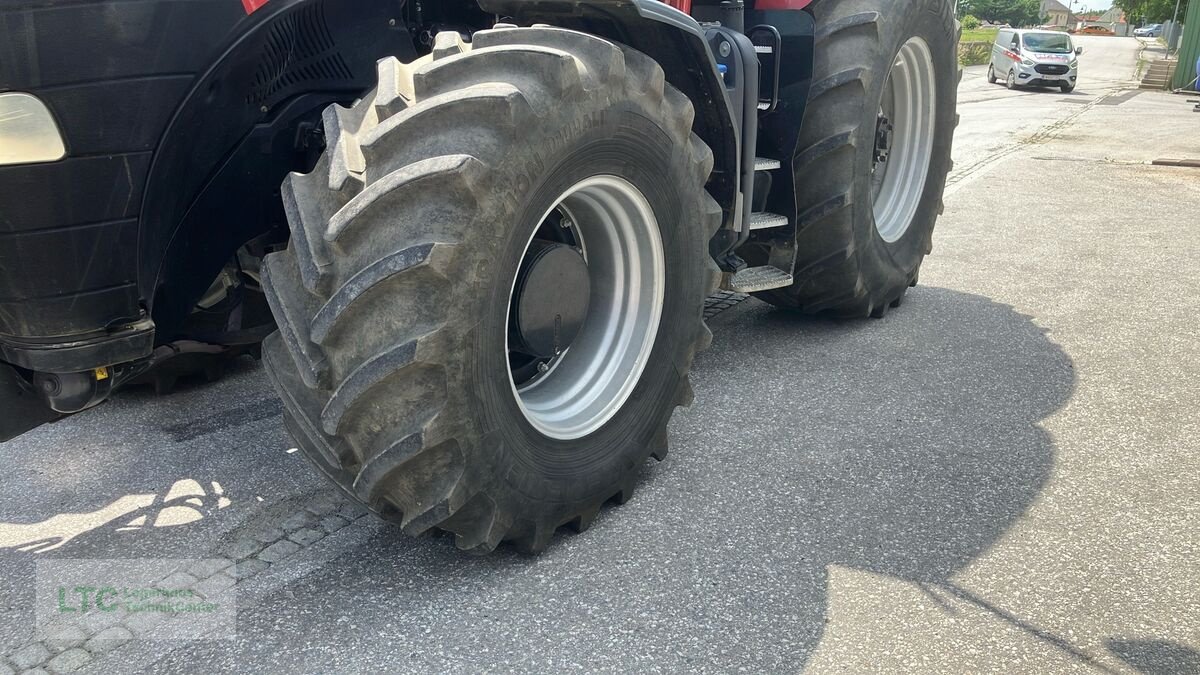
[
  {"x": 762, "y": 220},
  {"x": 752, "y": 279},
  {"x": 765, "y": 164}
]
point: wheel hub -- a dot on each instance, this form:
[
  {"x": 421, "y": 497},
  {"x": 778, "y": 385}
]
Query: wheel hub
[
  {"x": 883, "y": 139},
  {"x": 550, "y": 301},
  {"x": 585, "y": 307}
]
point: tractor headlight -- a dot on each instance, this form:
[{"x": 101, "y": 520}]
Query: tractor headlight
[{"x": 28, "y": 132}]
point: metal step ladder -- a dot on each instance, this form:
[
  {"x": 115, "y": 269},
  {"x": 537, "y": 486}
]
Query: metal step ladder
[
  {"x": 753, "y": 279},
  {"x": 765, "y": 277},
  {"x": 763, "y": 220}
]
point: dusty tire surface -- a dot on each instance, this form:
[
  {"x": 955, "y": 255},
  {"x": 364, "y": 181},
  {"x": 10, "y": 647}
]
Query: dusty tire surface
[
  {"x": 392, "y": 297},
  {"x": 843, "y": 266}
]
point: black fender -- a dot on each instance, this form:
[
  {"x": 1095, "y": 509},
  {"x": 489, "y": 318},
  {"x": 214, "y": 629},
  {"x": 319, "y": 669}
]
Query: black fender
[{"x": 214, "y": 182}]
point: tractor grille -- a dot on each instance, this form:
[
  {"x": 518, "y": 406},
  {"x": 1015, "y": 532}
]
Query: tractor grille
[
  {"x": 298, "y": 51},
  {"x": 1049, "y": 69}
]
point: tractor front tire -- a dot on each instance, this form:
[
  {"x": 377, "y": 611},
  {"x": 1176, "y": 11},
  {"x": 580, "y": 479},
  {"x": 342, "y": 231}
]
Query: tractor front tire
[
  {"x": 884, "y": 69},
  {"x": 409, "y": 242}
]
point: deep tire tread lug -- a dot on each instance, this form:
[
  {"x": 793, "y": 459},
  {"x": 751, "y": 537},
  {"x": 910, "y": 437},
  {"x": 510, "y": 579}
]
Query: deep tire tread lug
[
  {"x": 660, "y": 446},
  {"x": 845, "y": 23},
  {"x": 311, "y": 363},
  {"x": 394, "y": 92},
  {"x": 363, "y": 379},
  {"x": 447, "y": 43},
  {"x": 307, "y": 244},
  {"x": 562, "y": 69},
  {"x": 376, "y": 273},
  {"x": 390, "y": 192},
  {"x": 346, "y": 164}
]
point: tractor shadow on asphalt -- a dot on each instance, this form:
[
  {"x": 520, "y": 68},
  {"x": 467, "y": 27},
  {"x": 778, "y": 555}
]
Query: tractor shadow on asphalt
[{"x": 905, "y": 447}]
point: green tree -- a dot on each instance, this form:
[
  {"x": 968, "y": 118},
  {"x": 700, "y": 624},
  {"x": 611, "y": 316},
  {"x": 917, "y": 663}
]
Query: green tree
[
  {"x": 1151, "y": 11},
  {"x": 1014, "y": 12},
  {"x": 970, "y": 22}
]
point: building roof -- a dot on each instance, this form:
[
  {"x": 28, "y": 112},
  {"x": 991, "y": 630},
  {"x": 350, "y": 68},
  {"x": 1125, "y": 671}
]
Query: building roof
[
  {"x": 1114, "y": 15},
  {"x": 1053, "y": 6}
]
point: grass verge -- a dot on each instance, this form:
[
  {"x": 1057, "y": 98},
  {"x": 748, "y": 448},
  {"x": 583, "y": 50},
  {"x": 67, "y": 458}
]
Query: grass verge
[{"x": 980, "y": 35}]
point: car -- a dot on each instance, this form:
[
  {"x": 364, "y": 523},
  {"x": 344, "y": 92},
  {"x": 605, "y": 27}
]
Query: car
[
  {"x": 1094, "y": 30},
  {"x": 1034, "y": 58},
  {"x": 1150, "y": 30}
]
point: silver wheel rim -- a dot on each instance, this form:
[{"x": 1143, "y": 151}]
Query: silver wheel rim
[
  {"x": 581, "y": 389},
  {"x": 909, "y": 102}
]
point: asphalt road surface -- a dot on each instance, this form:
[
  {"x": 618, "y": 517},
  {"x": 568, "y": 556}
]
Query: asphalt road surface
[{"x": 999, "y": 476}]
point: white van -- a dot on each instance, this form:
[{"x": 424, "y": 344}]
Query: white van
[{"x": 1034, "y": 58}]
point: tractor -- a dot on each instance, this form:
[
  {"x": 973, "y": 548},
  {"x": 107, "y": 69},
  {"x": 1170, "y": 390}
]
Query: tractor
[{"x": 471, "y": 240}]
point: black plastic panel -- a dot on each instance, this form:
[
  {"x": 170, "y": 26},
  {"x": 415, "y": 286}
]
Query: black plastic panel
[
  {"x": 52, "y": 43},
  {"x": 128, "y": 115},
  {"x": 86, "y": 257},
  {"x": 62, "y": 315},
  {"x": 71, "y": 192},
  {"x": 48, "y": 250}
]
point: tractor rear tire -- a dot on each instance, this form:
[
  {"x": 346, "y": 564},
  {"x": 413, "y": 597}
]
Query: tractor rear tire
[
  {"x": 852, "y": 258},
  {"x": 393, "y": 297}
]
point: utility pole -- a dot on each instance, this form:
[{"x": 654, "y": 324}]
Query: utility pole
[{"x": 1174, "y": 27}]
